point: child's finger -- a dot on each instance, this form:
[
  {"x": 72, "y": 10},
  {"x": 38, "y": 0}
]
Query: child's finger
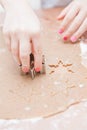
[
  {"x": 80, "y": 31},
  {"x": 69, "y": 18},
  {"x": 64, "y": 12},
  {"x": 75, "y": 24}
]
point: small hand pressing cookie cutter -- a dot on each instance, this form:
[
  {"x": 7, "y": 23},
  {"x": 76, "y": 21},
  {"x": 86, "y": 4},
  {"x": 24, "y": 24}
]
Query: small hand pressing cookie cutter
[{"x": 32, "y": 72}]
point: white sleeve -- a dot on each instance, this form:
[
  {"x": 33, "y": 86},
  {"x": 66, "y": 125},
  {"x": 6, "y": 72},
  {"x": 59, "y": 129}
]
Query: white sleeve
[
  {"x": 54, "y": 3},
  {"x": 35, "y": 4},
  {"x": 48, "y": 3}
]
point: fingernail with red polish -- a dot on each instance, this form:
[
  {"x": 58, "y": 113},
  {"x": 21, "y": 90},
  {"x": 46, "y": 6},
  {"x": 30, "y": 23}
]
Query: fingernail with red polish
[
  {"x": 73, "y": 39},
  {"x": 37, "y": 69},
  {"x": 25, "y": 70},
  {"x": 60, "y": 31},
  {"x": 65, "y": 38}
]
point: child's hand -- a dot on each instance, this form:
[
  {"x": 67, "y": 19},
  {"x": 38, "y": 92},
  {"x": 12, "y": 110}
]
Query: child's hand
[
  {"x": 22, "y": 35},
  {"x": 74, "y": 22}
]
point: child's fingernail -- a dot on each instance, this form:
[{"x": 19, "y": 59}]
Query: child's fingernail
[
  {"x": 65, "y": 38},
  {"x": 73, "y": 39},
  {"x": 37, "y": 69},
  {"x": 60, "y": 31},
  {"x": 25, "y": 69}
]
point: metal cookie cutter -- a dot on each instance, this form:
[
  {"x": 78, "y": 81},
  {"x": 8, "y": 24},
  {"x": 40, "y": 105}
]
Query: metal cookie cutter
[
  {"x": 43, "y": 65},
  {"x": 32, "y": 70}
]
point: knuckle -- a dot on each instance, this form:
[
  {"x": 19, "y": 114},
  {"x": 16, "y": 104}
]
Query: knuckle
[
  {"x": 23, "y": 33},
  {"x": 13, "y": 32},
  {"x": 77, "y": 23},
  {"x": 79, "y": 33},
  {"x": 70, "y": 31},
  {"x": 6, "y": 33},
  {"x": 9, "y": 32},
  {"x": 20, "y": 31},
  {"x": 63, "y": 25},
  {"x": 68, "y": 18}
]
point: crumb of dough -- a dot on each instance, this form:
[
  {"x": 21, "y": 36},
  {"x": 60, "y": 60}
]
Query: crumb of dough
[
  {"x": 70, "y": 71},
  {"x": 53, "y": 66},
  {"x": 52, "y": 72}
]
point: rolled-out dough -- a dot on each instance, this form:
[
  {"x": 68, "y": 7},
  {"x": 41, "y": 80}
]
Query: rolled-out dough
[{"x": 65, "y": 82}]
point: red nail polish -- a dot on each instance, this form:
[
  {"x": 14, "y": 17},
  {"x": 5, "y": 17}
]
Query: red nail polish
[
  {"x": 25, "y": 70},
  {"x": 37, "y": 69},
  {"x": 65, "y": 38}
]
